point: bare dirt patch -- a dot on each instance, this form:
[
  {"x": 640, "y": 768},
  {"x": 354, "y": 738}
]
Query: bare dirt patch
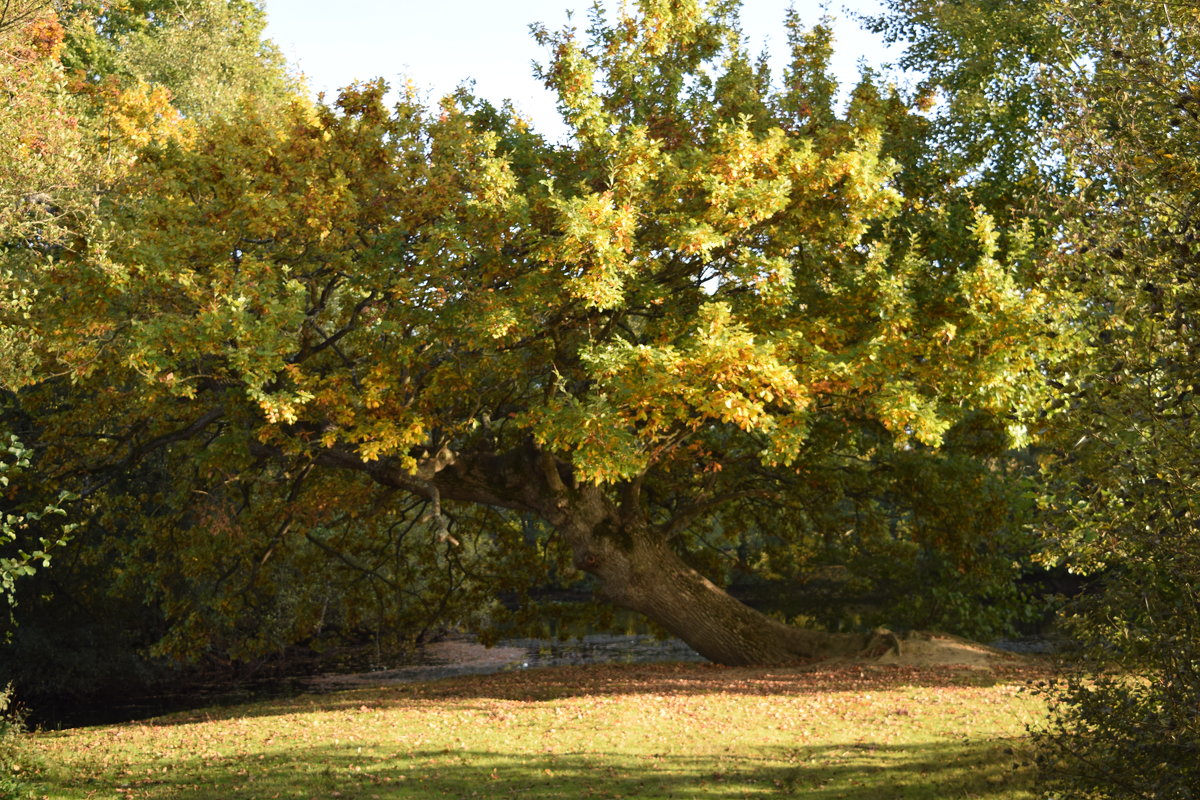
[{"x": 920, "y": 649}]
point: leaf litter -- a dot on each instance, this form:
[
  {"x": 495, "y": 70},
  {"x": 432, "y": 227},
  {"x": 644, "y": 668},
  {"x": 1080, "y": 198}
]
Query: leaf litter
[{"x": 844, "y": 731}]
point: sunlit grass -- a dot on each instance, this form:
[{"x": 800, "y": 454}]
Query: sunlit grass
[{"x": 691, "y": 731}]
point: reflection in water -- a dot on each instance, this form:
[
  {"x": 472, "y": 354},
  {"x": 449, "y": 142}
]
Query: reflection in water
[
  {"x": 463, "y": 656},
  {"x": 602, "y": 650}
]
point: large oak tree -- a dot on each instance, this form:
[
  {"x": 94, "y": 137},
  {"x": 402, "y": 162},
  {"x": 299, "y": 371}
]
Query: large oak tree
[{"x": 713, "y": 282}]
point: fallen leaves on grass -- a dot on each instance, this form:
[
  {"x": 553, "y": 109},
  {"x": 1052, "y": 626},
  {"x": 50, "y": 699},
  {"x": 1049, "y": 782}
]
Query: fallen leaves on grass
[{"x": 637, "y": 731}]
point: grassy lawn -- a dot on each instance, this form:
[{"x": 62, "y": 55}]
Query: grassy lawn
[{"x": 661, "y": 731}]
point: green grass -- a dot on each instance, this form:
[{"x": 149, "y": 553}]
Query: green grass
[{"x": 664, "y": 731}]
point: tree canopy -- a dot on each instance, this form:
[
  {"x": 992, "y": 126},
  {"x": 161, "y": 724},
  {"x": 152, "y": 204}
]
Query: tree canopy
[
  {"x": 271, "y": 367},
  {"x": 726, "y": 314}
]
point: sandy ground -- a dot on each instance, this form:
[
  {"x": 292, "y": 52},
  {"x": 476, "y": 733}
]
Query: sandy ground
[{"x": 919, "y": 649}]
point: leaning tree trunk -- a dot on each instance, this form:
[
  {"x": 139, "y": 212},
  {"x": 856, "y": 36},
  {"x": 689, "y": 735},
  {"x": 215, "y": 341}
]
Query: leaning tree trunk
[
  {"x": 639, "y": 571},
  {"x": 633, "y": 562}
]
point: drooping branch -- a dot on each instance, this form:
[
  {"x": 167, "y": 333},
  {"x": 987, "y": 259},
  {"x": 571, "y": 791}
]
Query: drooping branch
[
  {"x": 439, "y": 476},
  {"x": 688, "y": 514},
  {"x": 180, "y": 434},
  {"x": 137, "y": 452}
]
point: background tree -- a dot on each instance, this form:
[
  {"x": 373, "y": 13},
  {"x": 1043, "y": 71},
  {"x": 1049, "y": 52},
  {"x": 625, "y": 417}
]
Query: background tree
[
  {"x": 42, "y": 210},
  {"x": 14, "y": 14},
  {"x": 1130, "y": 121},
  {"x": 1114, "y": 118},
  {"x": 210, "y": 54},
  {"x": 72, "y": 135},
  {"x": 699, "y": 296}
]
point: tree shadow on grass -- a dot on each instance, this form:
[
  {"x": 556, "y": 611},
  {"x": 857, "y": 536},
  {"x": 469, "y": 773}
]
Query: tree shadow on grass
[
  {"x": 675, "y": 679},
  {"x": 853, "y": 772}
]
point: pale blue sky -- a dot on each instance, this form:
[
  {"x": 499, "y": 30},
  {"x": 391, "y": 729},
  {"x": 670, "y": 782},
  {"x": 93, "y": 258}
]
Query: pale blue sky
[{"x": 439, "y": 43}]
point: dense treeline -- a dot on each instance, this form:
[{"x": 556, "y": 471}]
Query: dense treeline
[{"x": 279, "y": 374}]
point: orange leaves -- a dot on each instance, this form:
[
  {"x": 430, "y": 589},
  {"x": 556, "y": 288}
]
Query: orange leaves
[
  {"x": 45, "y": 36},
  {"x": 29, "y": 40},
  {"x": 142, "y": 114}
]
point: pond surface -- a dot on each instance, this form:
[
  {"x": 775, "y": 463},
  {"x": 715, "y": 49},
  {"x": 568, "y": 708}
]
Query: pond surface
[
  {"x": 464, "y": 656},
  {"x": 602, "y": 650}
]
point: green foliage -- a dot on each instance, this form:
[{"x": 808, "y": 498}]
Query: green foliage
[
  {"x": 1129, "y": 478},
  {"x": 24, "y": 544},
  {"x": 904, "y": 536},
  {"x": 1116, "y": 110},
  {"x": 211, "y": 567},
  {"x": 16, "y": 759},
  {"x": 985, "y": 101},
  {"x": 210, "y": 54},
  {"x": 718, "y": 292},
  {"x": 72, "y": 136},
  {"x": 41, "y": 172},
  {"x": 1132, "y": 731},
  {"x": 726, "y": 207},
  {"x": 86, "y": 87}
]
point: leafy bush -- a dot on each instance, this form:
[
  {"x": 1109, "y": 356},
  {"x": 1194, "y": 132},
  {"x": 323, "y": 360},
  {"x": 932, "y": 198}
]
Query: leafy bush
[
  {"x": 12, "y": 752},
  {"x": 1132, "y": 732}
]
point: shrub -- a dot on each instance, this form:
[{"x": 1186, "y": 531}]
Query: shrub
[
  {"x": 1128, "y": 725},
  {"x": 13, "y": 757}
]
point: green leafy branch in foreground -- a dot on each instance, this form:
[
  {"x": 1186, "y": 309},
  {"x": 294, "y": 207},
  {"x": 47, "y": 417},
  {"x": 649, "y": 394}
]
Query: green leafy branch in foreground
[{"x": 20, "y": 554}]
